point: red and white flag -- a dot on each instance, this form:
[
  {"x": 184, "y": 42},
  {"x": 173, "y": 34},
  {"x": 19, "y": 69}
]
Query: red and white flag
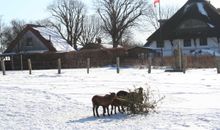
[{"x": 156, "y": 1}]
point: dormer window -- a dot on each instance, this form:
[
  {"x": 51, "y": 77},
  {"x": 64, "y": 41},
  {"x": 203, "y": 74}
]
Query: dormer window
[
  {"x": 29, "y": 41},
  {"x": 192, "y": 24}
]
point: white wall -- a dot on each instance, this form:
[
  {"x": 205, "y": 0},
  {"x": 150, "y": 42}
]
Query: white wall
[
  {"x": 195, "y": 45},
  {"x": 37, "y": 45}
]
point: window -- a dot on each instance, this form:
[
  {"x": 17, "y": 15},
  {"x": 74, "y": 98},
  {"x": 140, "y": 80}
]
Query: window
[
  {"x": 160, "y": 44},
  {"x": 203, "y": 41},
  {"x": 192, "y": 23},
  {"x": 29, "y": 41},
  {"x": 187, "y": 43}
]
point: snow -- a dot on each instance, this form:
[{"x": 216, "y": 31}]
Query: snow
[
  {"x": 46, "y": 100},
  {"x": 211, "y": 26},
  {"x": 57, "y": 41},
  {"x": 201, "y": 9},
  {"x": 206, "y": 52},
  {"x": 106, "y": 45}
]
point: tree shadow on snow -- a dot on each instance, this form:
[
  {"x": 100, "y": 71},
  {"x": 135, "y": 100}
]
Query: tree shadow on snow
[{"x": 101, "y": 118}]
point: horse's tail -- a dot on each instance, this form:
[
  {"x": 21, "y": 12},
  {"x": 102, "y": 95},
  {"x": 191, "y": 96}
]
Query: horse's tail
[{"x": 93, "y": 101}]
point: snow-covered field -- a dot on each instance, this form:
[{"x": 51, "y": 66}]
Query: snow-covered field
[{"x": 46, "y": 100}]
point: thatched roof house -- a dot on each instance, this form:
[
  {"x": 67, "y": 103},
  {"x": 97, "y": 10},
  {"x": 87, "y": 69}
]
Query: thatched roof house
[{"x": 194, "y": 26}]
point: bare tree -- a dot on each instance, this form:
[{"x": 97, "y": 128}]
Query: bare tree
[
  {"x": 43, "y": 22},
  {"x": 118, "y": 16},
  {"x": 10, "y": 32},
  {"x": 68, "y": 17},
  {"x": 153, "y": 16},
  {"x": 91, "y": 30},
  {"x": 17, "y": 26},
  {"x": 1, "y": 34}
]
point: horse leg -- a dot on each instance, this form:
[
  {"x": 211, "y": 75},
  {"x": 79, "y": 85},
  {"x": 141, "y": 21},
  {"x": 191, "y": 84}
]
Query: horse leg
[
  {"x": 112, "y": 108},
  {"x": 97, "y": 111},
  {"x": 93, "y": 109},
  {"x": 108, "y": 111},
  {"x": 103, "y": 110},
  {"x": 119, "y": 109},
  {"x": 122, "y": 107},
  {"x": 115, "y": 110}
]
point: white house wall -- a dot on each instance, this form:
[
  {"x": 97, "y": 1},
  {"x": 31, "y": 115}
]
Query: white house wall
[
  {"x": 212, "y": 44},
  {"x": 37, "y": 45}
]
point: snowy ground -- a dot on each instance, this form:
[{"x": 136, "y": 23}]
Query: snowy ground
[{"x": 46, "y": 100}]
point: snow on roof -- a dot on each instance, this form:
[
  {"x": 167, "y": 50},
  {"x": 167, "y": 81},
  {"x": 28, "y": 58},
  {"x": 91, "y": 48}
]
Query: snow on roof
[
  {"x": 187, "y": 7},
  {"x": 210, "y": 25},
  {"x": 201, "y": 9},
  {"x": 206, "y": 52},
  {"x": 107, "y": 45},
  {"x": 57, "y": 41}
]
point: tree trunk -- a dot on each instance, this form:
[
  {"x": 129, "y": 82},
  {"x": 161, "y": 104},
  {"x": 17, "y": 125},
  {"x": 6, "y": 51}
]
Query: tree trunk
[{"x": 75, "y": 47}]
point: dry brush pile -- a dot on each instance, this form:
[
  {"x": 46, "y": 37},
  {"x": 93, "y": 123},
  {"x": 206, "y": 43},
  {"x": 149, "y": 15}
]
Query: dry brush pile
[{"x": 142, "y": 101}]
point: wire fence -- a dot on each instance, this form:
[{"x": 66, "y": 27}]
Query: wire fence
[{"x": 100, "y": 58}]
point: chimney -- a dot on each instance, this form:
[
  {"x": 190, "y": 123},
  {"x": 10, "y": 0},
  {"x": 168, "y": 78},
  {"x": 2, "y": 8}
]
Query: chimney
[
  {"x": 50, "y": 38},
  {"x": 162, "y": 21}
]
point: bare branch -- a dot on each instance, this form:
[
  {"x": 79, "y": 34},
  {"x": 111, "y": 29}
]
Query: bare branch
[
  {"x": 68, "y": 17},
  {"x": 152, "y": 15},
  {"x": 119, "y": 16}
]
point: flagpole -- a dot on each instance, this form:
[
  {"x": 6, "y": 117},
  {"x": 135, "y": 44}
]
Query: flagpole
[{"x": 159, "y": 12}]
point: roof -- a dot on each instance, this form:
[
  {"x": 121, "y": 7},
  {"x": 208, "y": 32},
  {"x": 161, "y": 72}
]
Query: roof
[
  {"x": 92, "y": 46},
  {"x": 49, "y": 37},
  {"x": 193, "y": 9}
]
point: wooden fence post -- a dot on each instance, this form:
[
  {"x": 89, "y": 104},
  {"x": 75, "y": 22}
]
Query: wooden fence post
[
  {"x": 12, "y": 63},
  {"x": 29, "y": 66},
  {"x": 88, "y": 65},
  {"x": 21, "y": 59},
  {"x": 59, "y": 66},
  {"x": 118, "y": 64},
  {"x": 149, "y": 64},
  {"x": 218, "y": 64},
  {"x": 3, "y": 66},
  {"x": 184, "y": 64}
]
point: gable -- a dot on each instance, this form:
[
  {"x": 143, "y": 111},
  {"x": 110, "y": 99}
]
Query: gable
[
  {"x": 29, "y": 43},
  {"x": 35, "y": 38},
  {"x": 197, "y": 18}
]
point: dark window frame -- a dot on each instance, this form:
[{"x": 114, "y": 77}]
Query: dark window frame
[
  {"x": 160, "y": 44},
  {"x": 203, "y": 41},
  {"x": 29, "y": 41},
  {"x": 187, "y": 43}
]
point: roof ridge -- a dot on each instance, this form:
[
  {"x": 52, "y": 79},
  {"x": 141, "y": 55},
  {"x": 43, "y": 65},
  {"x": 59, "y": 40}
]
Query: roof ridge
[{"x": 34, "y": 25}]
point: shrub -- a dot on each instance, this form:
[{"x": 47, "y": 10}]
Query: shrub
[{"x": 142, "y": 102}]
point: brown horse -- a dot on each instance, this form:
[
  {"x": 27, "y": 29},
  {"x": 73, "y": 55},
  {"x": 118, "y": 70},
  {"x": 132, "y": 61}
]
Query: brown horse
[
  {"x": 127, "y": 99},
  {"x": 120, "y": 101},
  {"x": 122, "y": 93},
  {"x": 103, "y": 101},
  {"x": 117, "y": 102}
]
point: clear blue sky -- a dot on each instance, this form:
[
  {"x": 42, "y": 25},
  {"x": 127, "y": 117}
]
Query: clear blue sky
[
  {"x": 28, "y": 10},
  {"x": 31, "y": 10}
]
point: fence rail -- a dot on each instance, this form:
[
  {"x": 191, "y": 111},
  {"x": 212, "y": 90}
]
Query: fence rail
[{"x": 101, "y": 58}]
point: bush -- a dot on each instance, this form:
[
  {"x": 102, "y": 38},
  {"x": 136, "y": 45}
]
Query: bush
[{"x": 142, "y": 102}]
